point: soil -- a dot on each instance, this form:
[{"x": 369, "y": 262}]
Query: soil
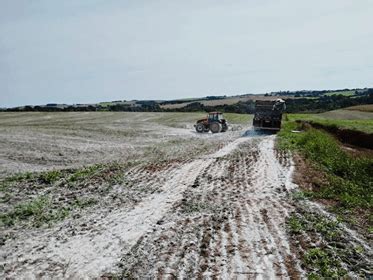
[
  {"x": 214, "y": 215},
  {"x": 230, "y": 223},
  {"x": 37, "y": 141},
  {"x": 308, "y": 176},
  {"x": 219, "y": 215}
]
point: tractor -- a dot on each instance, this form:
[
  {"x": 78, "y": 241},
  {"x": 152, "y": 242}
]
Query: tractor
[{"x": 214, "y": 122}]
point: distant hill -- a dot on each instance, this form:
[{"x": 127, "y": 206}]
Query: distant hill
[
  {"x": 362, "y": 108},
  {"x": 314, "y": 101}
]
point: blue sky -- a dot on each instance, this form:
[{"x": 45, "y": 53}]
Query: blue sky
[{"x": 100, "y": 50}]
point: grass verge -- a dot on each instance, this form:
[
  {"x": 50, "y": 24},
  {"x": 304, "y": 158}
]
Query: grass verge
[
  {"x": 344, "y": 183},
  {"x": 364, "y": 125},
  {"x": 349, "y": 178}
]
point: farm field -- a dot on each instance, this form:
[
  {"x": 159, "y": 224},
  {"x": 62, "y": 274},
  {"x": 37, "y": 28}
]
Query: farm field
[
  {"x": 349, "y": 119},
  {"x": 362, "y": 108},
  {"x": 344, "y": 93},
  {"x": 142, "y": 195},
  {"x": 225, "y": 101},
  {"x": 44, "y": 141},
  {"x": 244, "y": 98}
]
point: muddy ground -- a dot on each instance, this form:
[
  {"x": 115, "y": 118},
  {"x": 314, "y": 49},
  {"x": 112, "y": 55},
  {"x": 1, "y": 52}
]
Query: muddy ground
[{"x": 219, "y": 213}]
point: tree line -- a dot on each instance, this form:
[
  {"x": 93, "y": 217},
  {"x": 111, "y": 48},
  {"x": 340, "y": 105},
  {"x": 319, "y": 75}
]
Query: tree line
[{"x": 293, "y": 105}]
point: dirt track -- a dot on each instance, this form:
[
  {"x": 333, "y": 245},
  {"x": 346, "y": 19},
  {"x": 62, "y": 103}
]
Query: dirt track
[
  {"x": 220, "y": 215},
  {"x": 230, "y": 222}
]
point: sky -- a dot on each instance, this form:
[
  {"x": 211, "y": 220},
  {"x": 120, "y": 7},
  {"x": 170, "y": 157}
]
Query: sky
[{"x": 88, "y": 51}]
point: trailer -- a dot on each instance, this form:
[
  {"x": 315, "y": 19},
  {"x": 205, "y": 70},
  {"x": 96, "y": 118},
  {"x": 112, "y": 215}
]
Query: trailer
[{"x": 268, "y": 114}]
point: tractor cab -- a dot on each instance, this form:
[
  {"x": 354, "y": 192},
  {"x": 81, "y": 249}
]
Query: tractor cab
[{"x": 215, "y": 117}]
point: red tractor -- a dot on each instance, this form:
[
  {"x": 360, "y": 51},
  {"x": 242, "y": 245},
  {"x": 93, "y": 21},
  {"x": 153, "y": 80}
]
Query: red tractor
[{"x": 214, "y": 122}]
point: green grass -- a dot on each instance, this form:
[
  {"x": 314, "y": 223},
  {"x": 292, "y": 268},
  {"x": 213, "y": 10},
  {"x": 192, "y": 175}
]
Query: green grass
[
  {"x": 344, "y": 93},
  {"x": 295, "y": 224},
  {"x": 109, "y": 103},
  {"x": 333, "y": 254},
  {"x": 42, "y": 210},
  {"x": 347, "y": 182},
  {"x": 324, "y": 264},
  {"x": 359, "y": 125},
  {"x": 50, "y": 177},
  {"x": 38, "y": 211},
  {"x": 313, "y": 222},
  {"x": 109, "y": 173},
  {"x": 350, "y": 179},
  {"x": 330, "y": 119},
  {"x": 85, "y": 173},
  {"x": 238, "y": 118},
  {"x": 7, "y": 182}
]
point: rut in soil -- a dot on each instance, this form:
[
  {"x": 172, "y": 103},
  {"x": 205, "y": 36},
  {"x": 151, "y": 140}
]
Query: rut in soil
[
  {"x": 222, "y": 215},
  {"x": 230, "y": 223}
]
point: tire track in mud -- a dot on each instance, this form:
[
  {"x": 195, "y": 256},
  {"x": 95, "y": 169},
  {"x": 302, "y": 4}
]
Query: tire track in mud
[
  {"x": 230, "y": 224},
  {"x": 66, "y": 252},
  {"x": 82, "y": 244}
]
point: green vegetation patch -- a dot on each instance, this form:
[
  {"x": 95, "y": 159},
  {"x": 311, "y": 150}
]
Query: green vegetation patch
[
  {"x": 358, "y": 125},
  {"x": 85, "y": 173},
  {"x": 6, "y": 183},
  {"x": 36, "y": 199},
  {"x": 39, "y": 211},
  {"x": 324, "y": 263},
  {"x": 50, "y": 177},
  {"x": 325, "y": 249},
  {"x": 343, "y": 93},
  {"x": 111, "y": 173},
  {"x": 350, "y": 179},
  {"x": 43, "y": 210},
  {"x": 333, "y": 119}
]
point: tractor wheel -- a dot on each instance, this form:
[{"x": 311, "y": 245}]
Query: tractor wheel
[
  {"x": 200, "y": 128},
  {"x": 215, "y": 127},
  {"x": 224, "y": 128}
]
